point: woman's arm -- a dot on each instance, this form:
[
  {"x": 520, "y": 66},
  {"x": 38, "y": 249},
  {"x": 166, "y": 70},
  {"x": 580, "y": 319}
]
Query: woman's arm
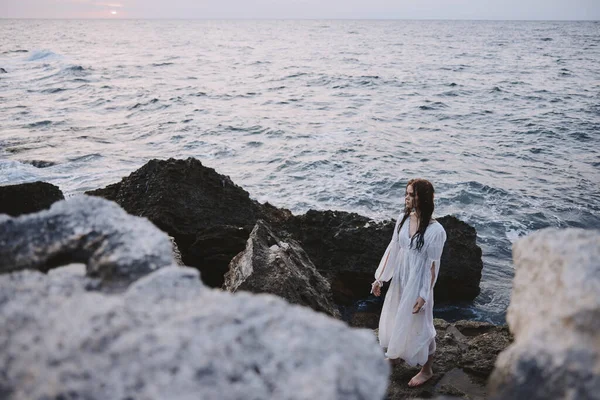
[
  {"x": 376, "y": 286},
  {"x": 384, "y": 274}
]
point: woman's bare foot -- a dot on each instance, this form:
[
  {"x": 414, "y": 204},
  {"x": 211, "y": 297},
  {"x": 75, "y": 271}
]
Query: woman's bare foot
[{"x": 420, "y": 378}]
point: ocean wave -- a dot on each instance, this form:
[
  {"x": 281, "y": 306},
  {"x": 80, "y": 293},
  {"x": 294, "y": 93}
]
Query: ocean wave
[
  {"x": 141, "y": 105},
  {"x": 39, "y": 163},
  {"x": 37, "y": 55},
  {"x": 437, "y": 105},
  {"x": 73, "y": 71},
  {"x": 296, "y": 75},
  {"x": 39, "y": 124},
  {"x": 85, "y": 158},
  {"x": 15, "y": 51},
  {"x": 15, "y": 172},
  {"x": 378, "y": 114},
  {"x": 53, "y": 90}
]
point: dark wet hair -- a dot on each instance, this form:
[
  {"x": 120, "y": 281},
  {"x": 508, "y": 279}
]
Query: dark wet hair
[{"x": 424, "y": 194}]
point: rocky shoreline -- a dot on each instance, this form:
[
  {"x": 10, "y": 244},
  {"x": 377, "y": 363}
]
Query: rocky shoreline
[
  {"x": 322, "y": 260},
  {"x": 211, "y": 219}
]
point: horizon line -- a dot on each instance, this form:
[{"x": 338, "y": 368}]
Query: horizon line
[{"x": 296, "y": 19}]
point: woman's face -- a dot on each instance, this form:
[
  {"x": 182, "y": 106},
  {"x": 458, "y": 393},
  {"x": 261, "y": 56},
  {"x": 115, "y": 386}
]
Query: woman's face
[{"x": 410, "y": 199}]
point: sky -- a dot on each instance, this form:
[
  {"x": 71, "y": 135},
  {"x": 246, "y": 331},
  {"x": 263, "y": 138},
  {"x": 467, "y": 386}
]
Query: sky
[{"x": 305, "y": 9}]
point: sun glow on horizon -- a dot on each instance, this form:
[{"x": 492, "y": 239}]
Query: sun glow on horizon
[{"x": 113, "y": 12}]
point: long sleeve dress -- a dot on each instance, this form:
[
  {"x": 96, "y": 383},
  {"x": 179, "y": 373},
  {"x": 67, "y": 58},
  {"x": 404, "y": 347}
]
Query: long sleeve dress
[{"x": 405, "y": 335}]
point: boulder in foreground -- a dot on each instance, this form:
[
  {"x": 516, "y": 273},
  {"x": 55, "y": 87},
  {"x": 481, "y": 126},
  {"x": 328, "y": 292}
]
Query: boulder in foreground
[
  {"x": 554, "y": 314},
  {"x": 170, "y": 337},
  {"x": 116, "y": 247}
]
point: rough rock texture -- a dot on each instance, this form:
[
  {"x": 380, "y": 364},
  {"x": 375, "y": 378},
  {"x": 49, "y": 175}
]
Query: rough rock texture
[
  {"x": 182, "y": 196},
  {"x": 176, "y": 252},
  {"x": 189, "y": 201},
  {"x": 554, "y": 314},
  {"x": 28, "y": 198},
  {"x": 170, "y": 337},
  {"x": 210, "y": 218},
  {"x": 461, "y": 262},
  {"x": 117, "y": 248},
  {"x": 464, "y": 359},
  {"x": 271, "y": 265},
  {"x": 362, "y": 319},
  {"x": 346, "y": 248},
  {"x": 214, "y": 248}
]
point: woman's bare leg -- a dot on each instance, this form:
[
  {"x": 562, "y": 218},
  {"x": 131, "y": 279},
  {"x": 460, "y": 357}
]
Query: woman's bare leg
[{"x": 424, "y": 375}]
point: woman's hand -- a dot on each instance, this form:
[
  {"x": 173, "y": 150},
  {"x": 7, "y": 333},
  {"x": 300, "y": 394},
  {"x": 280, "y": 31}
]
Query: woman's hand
[
  {"x": 418, "y": 305},
  {"x": 376, "y": 288}
]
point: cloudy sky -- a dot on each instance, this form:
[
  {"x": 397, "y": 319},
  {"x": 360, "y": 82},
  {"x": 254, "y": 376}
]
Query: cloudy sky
[{"x": 396, "y": 9}]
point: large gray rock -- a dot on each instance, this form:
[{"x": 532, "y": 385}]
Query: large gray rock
[
  {"x": 116, "y": 247},
  {"x": 272, "y": 265},
  {"x": 554, "y": 315},
  {"x": 170, "y": 337}
]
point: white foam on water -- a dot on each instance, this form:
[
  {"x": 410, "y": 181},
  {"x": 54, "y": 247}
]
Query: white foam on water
[
  {"x": 14, "y": 172},
  {"x": 45, "y": 55}
]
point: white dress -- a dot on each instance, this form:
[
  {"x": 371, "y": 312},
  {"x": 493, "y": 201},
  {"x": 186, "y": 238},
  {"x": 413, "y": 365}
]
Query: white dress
[{"x": 405, "y": 335}]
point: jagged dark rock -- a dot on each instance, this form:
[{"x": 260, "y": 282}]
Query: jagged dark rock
[
  {"x": 189, "y": 201},
  {"x": 28, "y": 198},
  {"x": 182, "y": 197},
  {"x": 210, "y": 218},
  {"x": 346, "y": 248},
  {"x": 214, "y": 249},
  {"x": 281, "y": 267},
  {"x": 461, "y": 262}
]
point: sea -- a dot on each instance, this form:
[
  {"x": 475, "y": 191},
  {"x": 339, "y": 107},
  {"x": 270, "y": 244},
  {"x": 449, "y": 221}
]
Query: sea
[{"x": 503, "y": 117}]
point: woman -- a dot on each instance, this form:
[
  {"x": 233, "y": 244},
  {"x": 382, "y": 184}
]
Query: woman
[{"x": 412, "y": 259}]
